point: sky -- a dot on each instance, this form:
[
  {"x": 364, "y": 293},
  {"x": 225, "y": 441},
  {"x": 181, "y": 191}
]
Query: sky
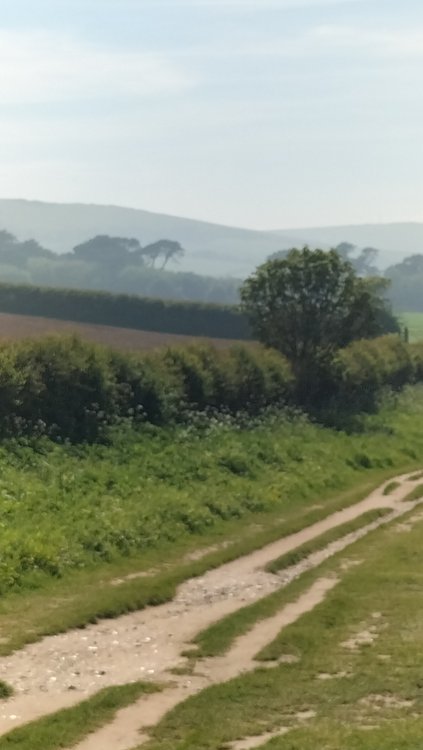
[{"x": 257, "y": 113}]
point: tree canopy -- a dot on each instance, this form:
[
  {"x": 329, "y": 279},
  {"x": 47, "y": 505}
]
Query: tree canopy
[
  {"x": 312, "y": 303},
  {"x": 115, "y": 264}
]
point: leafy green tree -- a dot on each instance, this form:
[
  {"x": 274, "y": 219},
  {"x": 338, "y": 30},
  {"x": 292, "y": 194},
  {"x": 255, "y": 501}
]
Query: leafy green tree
[{"x": 309, "y": 305}]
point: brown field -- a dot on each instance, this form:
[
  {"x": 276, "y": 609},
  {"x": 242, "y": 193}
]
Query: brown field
[{"x": 15, "y": 327}]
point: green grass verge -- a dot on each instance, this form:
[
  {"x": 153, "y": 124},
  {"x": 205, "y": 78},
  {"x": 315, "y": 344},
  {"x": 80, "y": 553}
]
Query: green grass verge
[
  {"x": 391, "y": 487},
  {"x": 372, "y": 693},
  {"x": 416, "y": 477},
  {"x": 315, "y": 545},
  {"x": 88, "y": 596},
  {"x": 68, "y": 727},
  {"x": 150, "y": 499}
]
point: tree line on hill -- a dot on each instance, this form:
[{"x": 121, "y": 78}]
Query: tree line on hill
[
  {"x": 121, "y": 265},
  {"x": 114, "y": 264}
]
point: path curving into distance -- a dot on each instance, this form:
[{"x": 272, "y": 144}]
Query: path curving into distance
[{"x": 60, "y": 671}]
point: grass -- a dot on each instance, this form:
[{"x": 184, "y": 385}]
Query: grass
[
  {"x": 416, "y": 477},
  {"x": 372, "y": 696},
  {"x": 149, "y": 499},
  {"x": 5, "y": 690},
  {"x": 66, "y": 728},
  {"x": 414, "y": 323},
  {"x": 415, "y": 494},
  {"x": 87, "y": 596},
  {"x": 315, "y": 545},
  {"x": 391, "y": 487},
  {"x": 219, "y": 637}
]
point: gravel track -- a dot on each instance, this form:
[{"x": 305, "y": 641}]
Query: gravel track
[{"x": 62, "y": 670}]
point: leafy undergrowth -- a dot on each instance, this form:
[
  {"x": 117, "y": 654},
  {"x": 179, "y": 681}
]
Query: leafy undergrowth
[
  {"x": 355, "y": 680},
  {"x": 149, "y": 499},
  {"x": 66, "y": 728},
  {"x": 315, "y": 545}
]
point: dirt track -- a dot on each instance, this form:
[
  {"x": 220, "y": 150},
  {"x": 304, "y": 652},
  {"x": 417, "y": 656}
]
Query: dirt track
[{"x": 62, "y": 670}]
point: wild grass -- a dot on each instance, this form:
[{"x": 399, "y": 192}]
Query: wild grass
[
  {"x": 68, "y": 727},
  {"x": 358, "y": 675},
  {"x": 89, "y": 595},
  {"x": 315, "y": 545},
  {"x": 148, "y": 500},
  {"x": 391, "y": 487}
]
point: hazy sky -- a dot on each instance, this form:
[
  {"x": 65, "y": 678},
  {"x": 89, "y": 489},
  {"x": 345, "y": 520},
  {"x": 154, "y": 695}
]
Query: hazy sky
[{"x": 260, "y": 113}]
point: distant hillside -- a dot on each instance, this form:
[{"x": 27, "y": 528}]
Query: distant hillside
[
  {"x": 395, "y": 241},
  {"x": 211, "y": 248}
]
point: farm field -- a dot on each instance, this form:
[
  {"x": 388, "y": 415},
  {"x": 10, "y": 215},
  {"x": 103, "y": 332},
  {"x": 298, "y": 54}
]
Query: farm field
[
  {"x": 125, "y": 525},
  {"x": 16, "y": 327},
  {"x": 414, "y": 323}
]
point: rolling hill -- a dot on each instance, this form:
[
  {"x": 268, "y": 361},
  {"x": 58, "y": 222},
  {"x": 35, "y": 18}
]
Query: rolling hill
[
  {"x": 395, "y": 241},
  {"x": 212, "y": 249}
]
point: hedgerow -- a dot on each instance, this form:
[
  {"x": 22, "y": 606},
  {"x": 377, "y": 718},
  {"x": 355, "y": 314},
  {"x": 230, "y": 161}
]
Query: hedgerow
[
  {"x": 71, "y": 390},
  {"x": 125, "y": 311}
]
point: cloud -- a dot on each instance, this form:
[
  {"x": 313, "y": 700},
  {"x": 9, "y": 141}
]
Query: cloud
[
  {"x": 229, "y": 5},
  {"x": 321, "y": 41},
  {"x": 43, "y": 67},
  {"x": 400, "y": 43}
]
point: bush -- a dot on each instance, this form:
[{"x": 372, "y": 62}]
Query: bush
[
  {"x": 362, "y": 370},
  {"x": 72, "y": 390}
]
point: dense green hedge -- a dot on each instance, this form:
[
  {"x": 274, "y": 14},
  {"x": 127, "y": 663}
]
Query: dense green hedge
[
  {"x": 73, "y": 390},
  {"x": 354, "y": 380},
  {"x": 125, "y": 311},
  {"x": 70, "y": 389}
]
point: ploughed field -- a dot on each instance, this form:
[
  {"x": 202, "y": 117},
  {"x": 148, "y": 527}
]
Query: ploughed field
[{"x": 27, "y": 326}]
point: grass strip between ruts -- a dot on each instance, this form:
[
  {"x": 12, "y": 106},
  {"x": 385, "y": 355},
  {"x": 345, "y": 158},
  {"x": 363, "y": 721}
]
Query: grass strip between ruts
[
  {"x": 218, "y": 638},
  {"x": 67, "y": 727},
  {"x": 315, "y": 545},
  {"x": 334, "y": 694}
]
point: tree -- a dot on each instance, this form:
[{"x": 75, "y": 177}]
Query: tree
[
  {"x": 363, "y": 262},
  {"x": 310, "y": 304},
  {"x": 167, "y": 249},
  {"x": 111, "y": 251},
  {"x": 410, "y": 266}
]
